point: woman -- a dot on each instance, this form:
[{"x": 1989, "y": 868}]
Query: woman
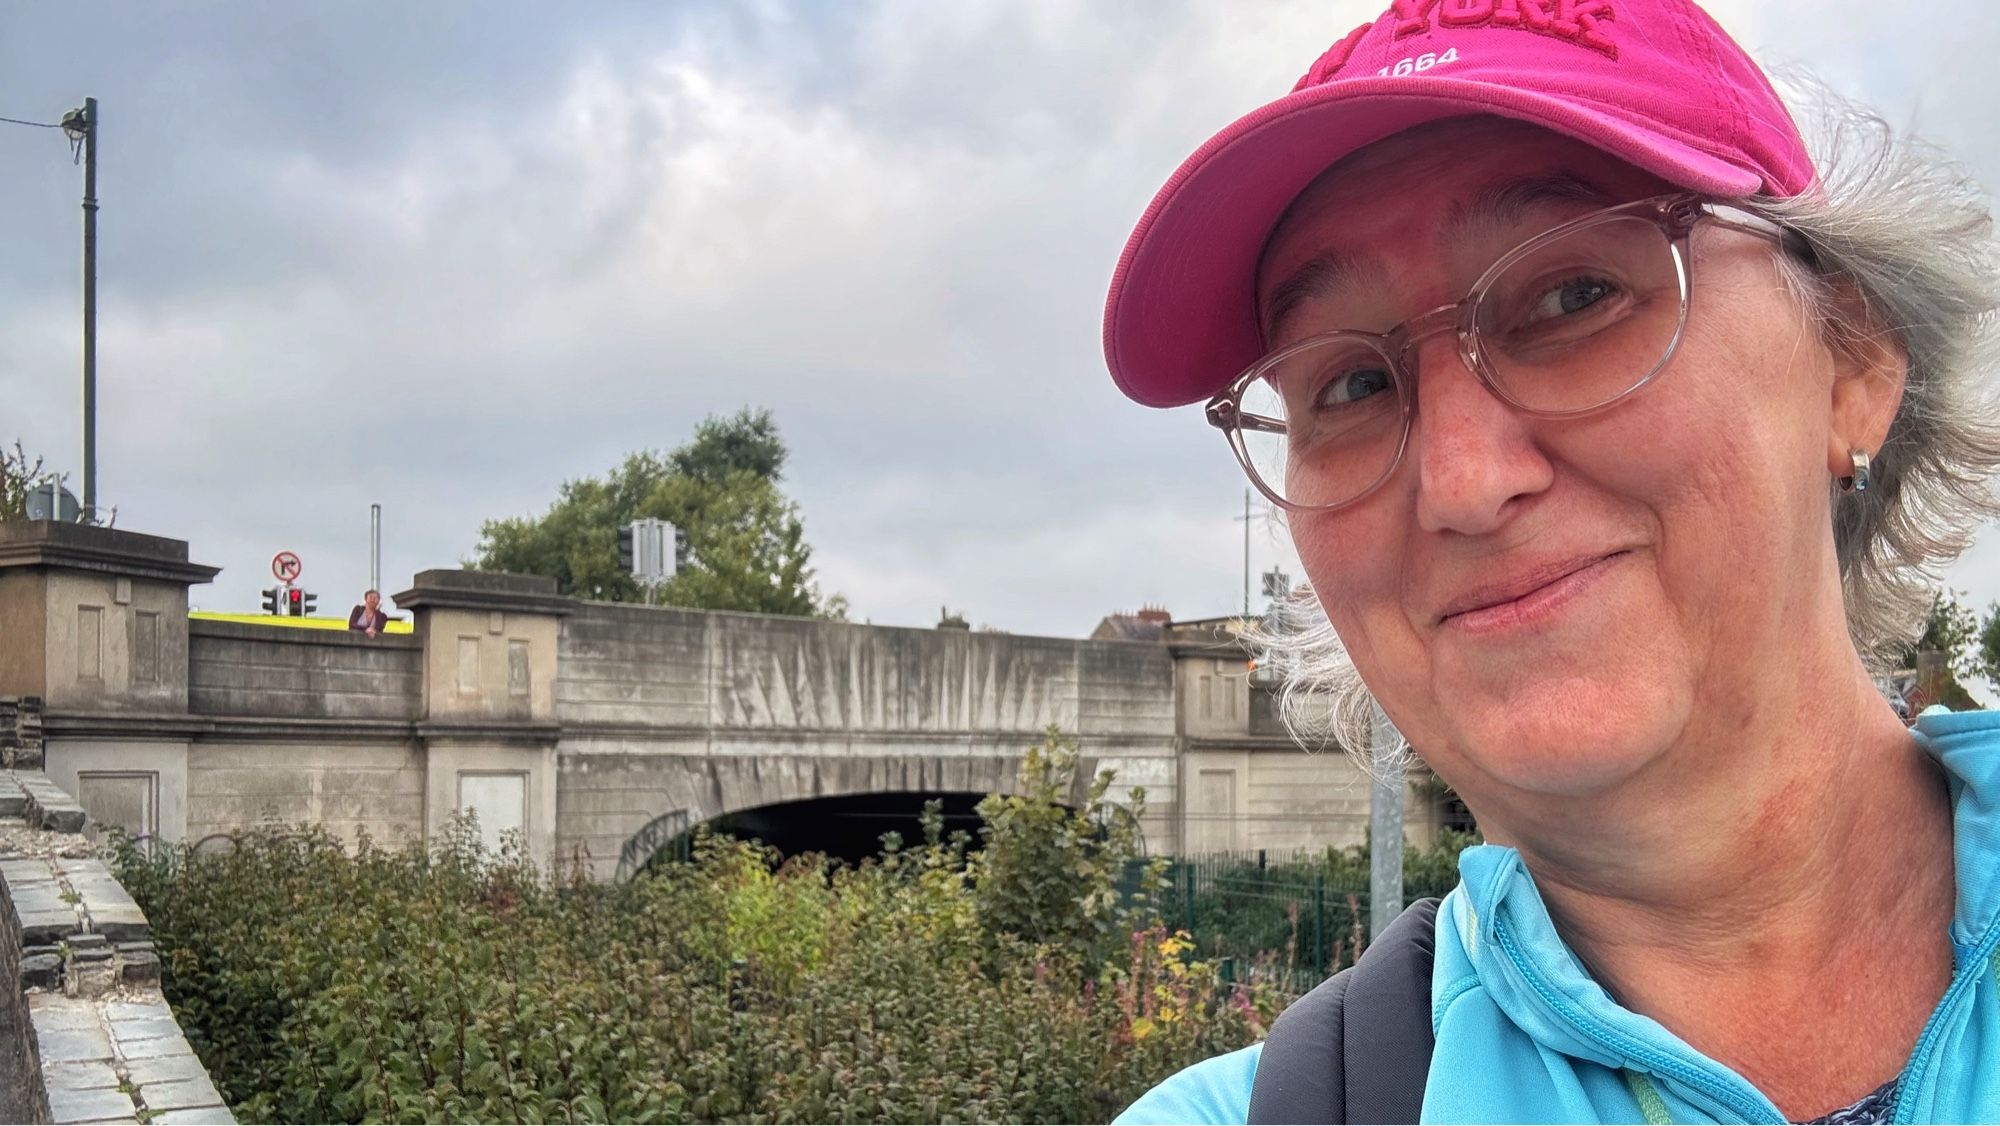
[{"x": 1616, "y": 438}]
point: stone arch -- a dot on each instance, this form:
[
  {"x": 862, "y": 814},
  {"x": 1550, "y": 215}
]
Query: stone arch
[{"x": 693, "y": 789}]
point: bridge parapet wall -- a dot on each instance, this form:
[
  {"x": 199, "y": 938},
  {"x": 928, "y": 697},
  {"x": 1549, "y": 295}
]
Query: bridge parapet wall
[
  {"x": 236, "y": 669},
  {"x": 625, "y": 666},
  {"x": 634, "y": 666}
]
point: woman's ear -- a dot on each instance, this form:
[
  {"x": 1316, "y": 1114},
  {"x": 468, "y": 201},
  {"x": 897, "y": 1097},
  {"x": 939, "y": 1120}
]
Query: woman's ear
[{"x": 1871, "y": 368}]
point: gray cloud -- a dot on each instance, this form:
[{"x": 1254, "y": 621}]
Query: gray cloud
[{"x": 445, "y": 257}]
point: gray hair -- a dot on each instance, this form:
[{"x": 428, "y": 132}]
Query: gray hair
[{"x": 1908, "y": 230}]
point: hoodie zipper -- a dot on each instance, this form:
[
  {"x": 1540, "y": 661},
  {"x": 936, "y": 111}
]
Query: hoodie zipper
[
  {"x": 1923, "y": 1061},
  {"x": 1915, "y": 1074},
  {"x": 1648, "y": 1058}
]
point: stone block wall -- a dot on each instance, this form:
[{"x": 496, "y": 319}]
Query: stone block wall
[
  {"x": 349, "y": 785},
  {"x": 85, "y": 1035},
  {"x": 21, "y": 743},
  {"x": 23, "y": 1098}
]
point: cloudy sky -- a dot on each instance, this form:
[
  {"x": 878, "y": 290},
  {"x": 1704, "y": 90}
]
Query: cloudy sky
[{"x": 443, "y": 256}]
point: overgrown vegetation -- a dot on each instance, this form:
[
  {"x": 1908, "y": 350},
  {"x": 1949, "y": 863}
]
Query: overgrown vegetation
[{"x": 323, "y": 983}]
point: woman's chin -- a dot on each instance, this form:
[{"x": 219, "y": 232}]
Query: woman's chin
[{"x": 1573, "y": 740}]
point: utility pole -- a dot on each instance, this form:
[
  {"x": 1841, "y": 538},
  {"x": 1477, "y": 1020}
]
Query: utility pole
[
  {"x": 375, "y": 547},
  {"x": 1246, "y": 518},
  {"x": 80, "y": 125},
  {"x": 1385, "y": 827}
]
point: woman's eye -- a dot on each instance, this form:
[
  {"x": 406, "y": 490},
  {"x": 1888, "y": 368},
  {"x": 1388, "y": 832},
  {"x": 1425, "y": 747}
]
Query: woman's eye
[
  {"x": 1569, "y": 298},
  {"x": 1352, "y": 387}
]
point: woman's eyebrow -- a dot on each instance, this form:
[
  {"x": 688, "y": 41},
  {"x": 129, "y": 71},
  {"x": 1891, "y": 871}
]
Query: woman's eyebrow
[
  {"x": 1510, "y": 203},
  {"x": 1324, "y": 274},
  {"x": 1506, "y": 204}
]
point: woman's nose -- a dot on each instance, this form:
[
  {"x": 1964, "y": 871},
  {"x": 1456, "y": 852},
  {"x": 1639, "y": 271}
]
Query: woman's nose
[{"x": 1474, "y": 454}]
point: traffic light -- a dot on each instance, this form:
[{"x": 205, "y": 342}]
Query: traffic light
[
  {"x": 271, "y": 600},
  {"x": 311, "y": 604},
  {"x": 295, "y": 601},
  {"x": 680, "y": 549},
  {"x": 627, "y": 536}
]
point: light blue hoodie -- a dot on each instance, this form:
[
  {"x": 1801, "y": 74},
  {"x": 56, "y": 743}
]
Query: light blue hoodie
[{"x": 1525, "y": 1035}]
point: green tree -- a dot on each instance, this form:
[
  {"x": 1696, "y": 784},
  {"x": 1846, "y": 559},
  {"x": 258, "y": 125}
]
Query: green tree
[
  {"x": 747, "y": 442},
  {"x": 19, "y": 476},
  {"x": 1989, "y": 646},
  {"x": 746, "y": 546},
  {"x": 1953, "y": 630}
]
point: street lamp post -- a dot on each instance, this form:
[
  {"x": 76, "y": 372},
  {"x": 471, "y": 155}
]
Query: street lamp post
[{"x": 80, "y": 126}]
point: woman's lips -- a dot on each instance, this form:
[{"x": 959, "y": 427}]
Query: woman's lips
[{"x": 1529, "y": 599}]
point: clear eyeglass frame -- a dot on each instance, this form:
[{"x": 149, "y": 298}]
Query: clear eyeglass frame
[{"x": 1676, "y": 215}]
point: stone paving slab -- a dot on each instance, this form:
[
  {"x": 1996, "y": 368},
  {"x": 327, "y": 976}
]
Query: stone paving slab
[
  {"x": 44, "y": 896},
  {"x": 183, "y": 1095},
  {"x": 59, "y": 1045},
  {"x": 198, "y": 1116},
  {"x": 48, "y": 807},
  {"x": 147, "y": 1028},
  {"x": 165, "y": 1069},
  {"x": 47, "y": 926},
  {"x": 175, "y": 1045},
  {"x": 53, "y": 1010},
  {"x": 26, "y": 871},
  {"x": 81, "y": 1075},
  {"x": 87, "y": 1106},
  {"x": 137, "y": 1010}
]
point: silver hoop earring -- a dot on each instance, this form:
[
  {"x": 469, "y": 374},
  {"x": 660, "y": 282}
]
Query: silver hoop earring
[{"x": 1858, "y": 483}]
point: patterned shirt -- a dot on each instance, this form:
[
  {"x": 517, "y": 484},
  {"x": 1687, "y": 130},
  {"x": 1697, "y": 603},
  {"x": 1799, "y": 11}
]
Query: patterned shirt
[{"x": 1875, "y": 1106}]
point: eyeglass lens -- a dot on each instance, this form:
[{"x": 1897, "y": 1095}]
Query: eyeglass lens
[{"x": 1567, "y": 326}]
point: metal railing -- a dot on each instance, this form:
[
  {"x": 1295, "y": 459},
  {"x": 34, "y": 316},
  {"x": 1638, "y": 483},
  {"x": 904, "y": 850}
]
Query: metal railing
[{"x": 1293, "y": 918}]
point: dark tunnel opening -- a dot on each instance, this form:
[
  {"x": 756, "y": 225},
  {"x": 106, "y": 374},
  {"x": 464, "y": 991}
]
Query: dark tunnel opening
[{"x": 848, "y": 828}]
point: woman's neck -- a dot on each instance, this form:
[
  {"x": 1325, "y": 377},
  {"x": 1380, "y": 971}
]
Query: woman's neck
[{"x": 1745, "y": 896}]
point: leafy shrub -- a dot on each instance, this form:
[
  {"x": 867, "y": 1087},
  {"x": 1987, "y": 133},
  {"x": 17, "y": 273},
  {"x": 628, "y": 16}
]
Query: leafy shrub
[
  {"x": 329, "y": 984},
  {"x": 1057, "y": 875}
]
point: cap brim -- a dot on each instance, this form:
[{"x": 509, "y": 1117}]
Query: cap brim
[{"x": 1180, "y": 320}]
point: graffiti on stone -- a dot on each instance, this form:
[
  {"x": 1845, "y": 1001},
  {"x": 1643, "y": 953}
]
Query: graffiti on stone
[{"x": 650, "y": 839}]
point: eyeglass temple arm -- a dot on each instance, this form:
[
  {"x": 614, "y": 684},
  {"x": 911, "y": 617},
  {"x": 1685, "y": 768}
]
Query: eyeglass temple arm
[
  {"x": 1768, "y": 229},
  {"x": 1223, "y": 414}
]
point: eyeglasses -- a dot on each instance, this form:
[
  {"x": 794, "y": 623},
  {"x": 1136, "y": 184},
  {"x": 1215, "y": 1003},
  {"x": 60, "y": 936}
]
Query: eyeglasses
[{"x": 1568, "y": 323}]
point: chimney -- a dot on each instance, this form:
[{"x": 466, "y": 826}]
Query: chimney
[{"x": 1156, "y": 615}]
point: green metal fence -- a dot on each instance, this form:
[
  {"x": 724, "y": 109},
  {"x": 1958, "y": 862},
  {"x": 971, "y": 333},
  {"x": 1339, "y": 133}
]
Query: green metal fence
[{"x": 1292, "y": 917}]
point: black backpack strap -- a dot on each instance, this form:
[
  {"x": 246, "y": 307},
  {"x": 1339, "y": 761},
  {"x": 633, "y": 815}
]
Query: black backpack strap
[{"x": 1358, "y": 1047}]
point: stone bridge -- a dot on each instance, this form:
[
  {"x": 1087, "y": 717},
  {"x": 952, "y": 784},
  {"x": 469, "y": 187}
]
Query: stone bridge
[{"x": 600, "y": 731}]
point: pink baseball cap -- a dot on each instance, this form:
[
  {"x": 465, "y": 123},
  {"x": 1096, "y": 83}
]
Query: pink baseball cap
[{"x": 1653, "y": 82}]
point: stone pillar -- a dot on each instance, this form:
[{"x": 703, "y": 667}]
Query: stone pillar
[
  {"x": 94, "y": 623},
  {"x": 489, "y": 725}
]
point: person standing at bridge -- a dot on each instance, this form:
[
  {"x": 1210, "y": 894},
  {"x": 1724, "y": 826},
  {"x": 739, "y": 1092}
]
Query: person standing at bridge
[
  {"x": 368, "y": 617},
  {"x": 1617, "y": 437}
]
